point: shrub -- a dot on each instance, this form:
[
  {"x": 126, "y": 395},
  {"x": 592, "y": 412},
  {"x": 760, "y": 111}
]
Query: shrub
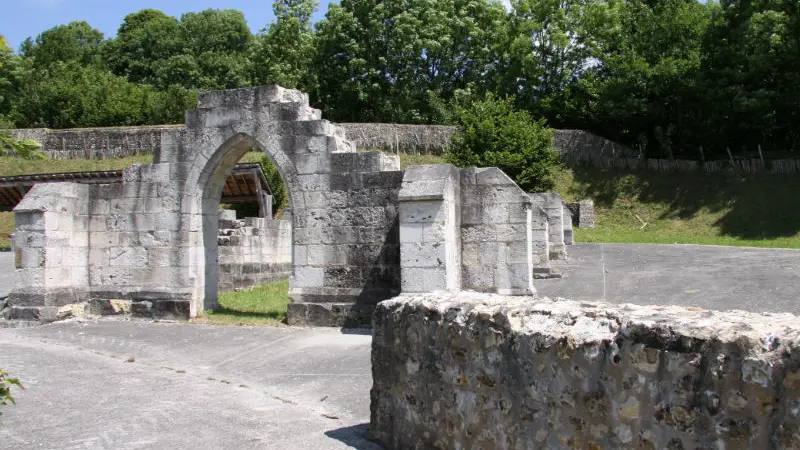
[
  {"x": 492, "y": 133},
  {"x": 5, "y": 388},
  {"x": 280, "y": 199}
]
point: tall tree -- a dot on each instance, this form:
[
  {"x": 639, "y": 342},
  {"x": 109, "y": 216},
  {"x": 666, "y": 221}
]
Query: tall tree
[
  {"x": 555, "y": 42},
  {"x": 6, "y": 85},
  {"x": 382, "y": 60},
  {"x": 284, "y": 51},
  {"x": 752, "y": 75},
  {"x": 74, "y": 42},
  {"x": 144, "y": 41},
  {"x": 644, "y": 90}
]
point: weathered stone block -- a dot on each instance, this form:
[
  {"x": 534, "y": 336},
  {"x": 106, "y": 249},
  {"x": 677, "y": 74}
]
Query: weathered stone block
[{"x": 474, "y": 370}]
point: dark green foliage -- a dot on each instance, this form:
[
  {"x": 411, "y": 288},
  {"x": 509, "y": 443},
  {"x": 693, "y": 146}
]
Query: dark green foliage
[
  {"x": 665, "y": 77},
  {"x": 70, "y": 95},
  {"x": 494, "y": 134},
  {"x": 280, "y": 198},
  {"x": 6, "y": 383},
  {"x": 284, "y": 51},
  {"x": 74, "y": 42}
]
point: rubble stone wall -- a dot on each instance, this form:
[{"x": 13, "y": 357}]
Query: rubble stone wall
[{"x": 468, "y": 370}]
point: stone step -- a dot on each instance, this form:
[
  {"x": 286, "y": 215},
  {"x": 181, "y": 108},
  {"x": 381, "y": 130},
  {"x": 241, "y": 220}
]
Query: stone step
[{"x": 18, "y": 323}]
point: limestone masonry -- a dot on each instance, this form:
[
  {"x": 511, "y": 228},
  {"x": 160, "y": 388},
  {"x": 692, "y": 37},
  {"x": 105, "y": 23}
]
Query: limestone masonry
[
  {"x": 362, "y": 230},
  {"x": 468, "y": 371},
  {"x": 253, "y": 251}
]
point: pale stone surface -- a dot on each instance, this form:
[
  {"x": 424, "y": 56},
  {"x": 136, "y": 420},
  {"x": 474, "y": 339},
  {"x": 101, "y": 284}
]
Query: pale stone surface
[
  {"x": 253, "y": 251},
  {"x": 469, "y": 370}
]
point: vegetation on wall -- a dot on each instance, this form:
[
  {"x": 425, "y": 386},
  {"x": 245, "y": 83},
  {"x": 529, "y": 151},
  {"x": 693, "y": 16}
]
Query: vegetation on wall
[{"x": 666, "y": 77}]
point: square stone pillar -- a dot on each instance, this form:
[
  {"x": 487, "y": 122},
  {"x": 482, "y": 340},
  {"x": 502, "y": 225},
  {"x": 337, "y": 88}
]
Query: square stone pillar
[{"x": 430, "y": 229}]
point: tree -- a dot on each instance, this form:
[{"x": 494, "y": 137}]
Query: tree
[
  {"x": 556, "y": 42},
  {"x": 74, "y": 42},
  {"x": 145, "y": 40},
  {"x": 205, "y": 50},
  {"x": 644, "y": 90},
  {"x": 7, "y": 61},
  {"x": 70, "y": 95},
  {"x": 283, "y": 53},
  {"x": 381, "y": 61},
  {"x": 751, "y": 75},
  {"x": 492, "y": 133}
]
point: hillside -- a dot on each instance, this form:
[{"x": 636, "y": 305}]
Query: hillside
[{"x": 688, "y": 207}]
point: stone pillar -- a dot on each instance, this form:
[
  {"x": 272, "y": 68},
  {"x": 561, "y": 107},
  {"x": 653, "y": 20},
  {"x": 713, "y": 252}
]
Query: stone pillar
[
  {"x": 569, "y": 234},
  {"x": 586, "y": 214},
  {"x": 553, "y": 206},
  {"x": 430, "y": 224},
  {"x": 51, "y": 252}
]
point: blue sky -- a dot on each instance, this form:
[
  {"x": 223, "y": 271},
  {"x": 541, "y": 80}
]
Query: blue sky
[{"x": 24, "y": 18}]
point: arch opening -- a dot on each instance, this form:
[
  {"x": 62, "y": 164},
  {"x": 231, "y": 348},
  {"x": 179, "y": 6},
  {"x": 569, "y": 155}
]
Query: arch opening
[{"x": 242, "y": 251}]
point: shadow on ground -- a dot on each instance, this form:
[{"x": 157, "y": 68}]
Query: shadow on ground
[
  {"x": 356, "y": 436},
  {"x": 758, "y": 206}
]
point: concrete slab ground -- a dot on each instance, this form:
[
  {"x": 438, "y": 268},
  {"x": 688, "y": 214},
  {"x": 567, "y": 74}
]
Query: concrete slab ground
[
  {"x": 187, "y": 387},
  {"x": 709, "y": 277},
  {"x": 6, "y": 273},
  {"x": 194, "y": 386}
]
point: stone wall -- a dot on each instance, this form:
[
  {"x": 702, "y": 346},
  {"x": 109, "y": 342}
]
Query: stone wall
[
  {"x": 99, "y": 143},
  {"x": 582, "y": 213},
  {"x": 575, "y": 146},
  {"x": 153, "y": 240},
  {"x": 253, "y": 251},
  {"x": 468, "y": 370}
]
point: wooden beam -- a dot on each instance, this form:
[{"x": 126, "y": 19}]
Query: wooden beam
[
  {"x": 239, "y": 199},
  {"x": 262, "y": 208}
]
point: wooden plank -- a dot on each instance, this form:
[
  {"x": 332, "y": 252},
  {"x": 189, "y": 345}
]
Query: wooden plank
[
  {"x": 239, "y": 199},
  {"x": 262, "y": 208}
]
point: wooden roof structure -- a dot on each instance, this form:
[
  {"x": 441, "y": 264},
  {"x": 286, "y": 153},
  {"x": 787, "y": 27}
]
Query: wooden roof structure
[{"x": 245, "y": 184}]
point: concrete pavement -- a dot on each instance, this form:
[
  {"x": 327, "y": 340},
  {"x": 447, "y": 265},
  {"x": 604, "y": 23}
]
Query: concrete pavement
[
  {"x": 195, "y": 386},
  {"x": 187, "y": 387},
  {"x": 709, "y": 277}
]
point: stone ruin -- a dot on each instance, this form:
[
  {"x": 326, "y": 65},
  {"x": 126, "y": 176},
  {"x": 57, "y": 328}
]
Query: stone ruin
[
  {"x": 362, "y": 229},
  {"x": 492, "y": 368}
]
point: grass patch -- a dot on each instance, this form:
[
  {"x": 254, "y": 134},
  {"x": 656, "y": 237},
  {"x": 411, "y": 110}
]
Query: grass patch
[
  {"x": 407, "y": 159},
  {"x": 11, "y": 166},
  {"x": 687, "y": 207},
  {"x": 6, "y": 228},
  {"x": 264, "y": 305}
]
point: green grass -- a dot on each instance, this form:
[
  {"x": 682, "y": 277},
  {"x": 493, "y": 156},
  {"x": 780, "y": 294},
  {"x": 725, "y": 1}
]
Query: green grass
[
  {"x": 407, "y": 159},
  {"x": 264, "y": 305},
  {"x": 687, "y": 207},
  {"x": 10, "y": 166},
  {"x": 6, "y": 227}
]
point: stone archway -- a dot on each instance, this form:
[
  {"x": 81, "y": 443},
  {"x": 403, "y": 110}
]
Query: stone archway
[{"x": 148, "y": 245}]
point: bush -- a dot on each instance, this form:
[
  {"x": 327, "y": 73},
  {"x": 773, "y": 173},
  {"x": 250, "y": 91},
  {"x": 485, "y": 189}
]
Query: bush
[
  {"x": 494, "y": 134},
  {"x": 5, "y": 388}
]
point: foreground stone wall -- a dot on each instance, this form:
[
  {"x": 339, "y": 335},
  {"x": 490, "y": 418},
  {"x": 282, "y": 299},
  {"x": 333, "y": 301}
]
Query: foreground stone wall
[
  {"x": 468, "y": 370},
  {"x": 253, "y": 251}
]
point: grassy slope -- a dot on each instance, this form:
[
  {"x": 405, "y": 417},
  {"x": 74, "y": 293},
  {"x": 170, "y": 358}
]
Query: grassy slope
[{"x": 688, "y": 208}]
